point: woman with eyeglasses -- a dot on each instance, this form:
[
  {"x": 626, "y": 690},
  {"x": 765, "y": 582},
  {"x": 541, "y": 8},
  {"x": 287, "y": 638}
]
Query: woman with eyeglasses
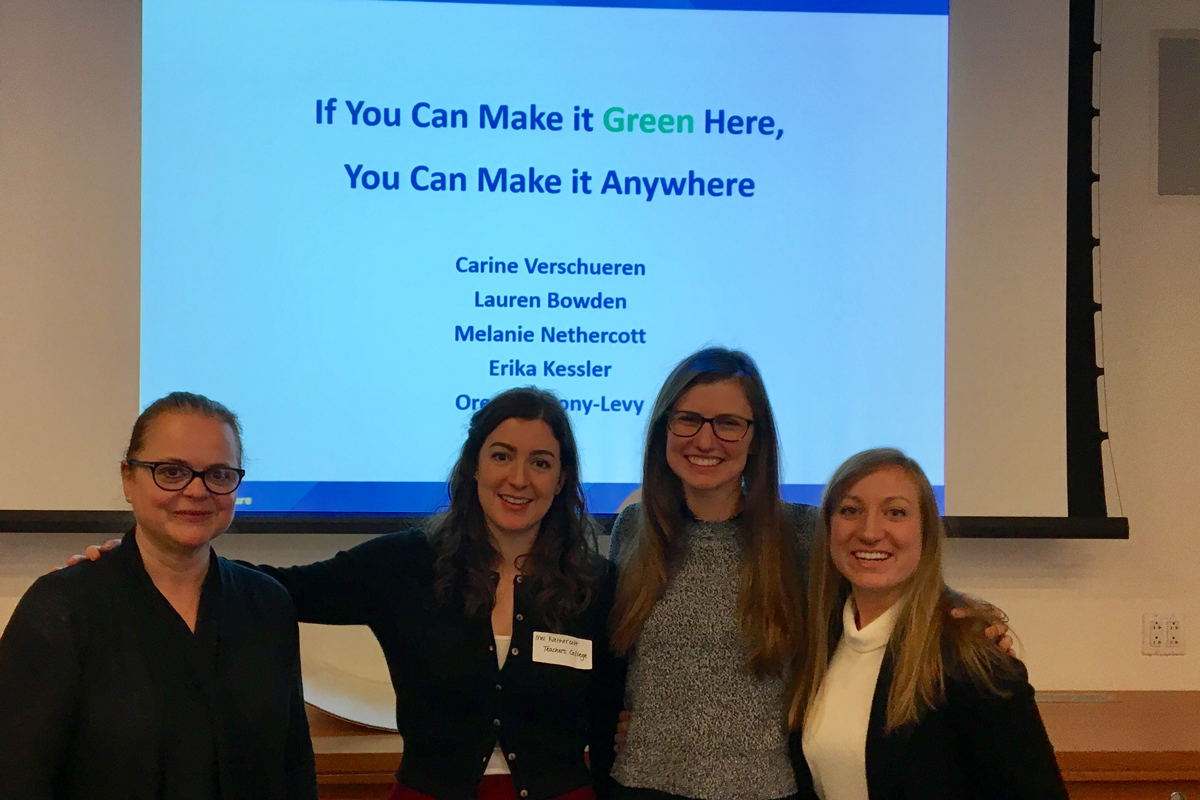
[
  {"x": 162, "y": 671},
  {"x": 709, "y": 598},
  {"x": 709, "y": 607},
  {"x": 492, "y": 618}
]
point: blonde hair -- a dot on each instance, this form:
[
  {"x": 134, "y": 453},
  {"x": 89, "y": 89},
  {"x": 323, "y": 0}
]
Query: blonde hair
[
  {"x": 925, "y": 637},
  {"x": 770, "y": 600}
]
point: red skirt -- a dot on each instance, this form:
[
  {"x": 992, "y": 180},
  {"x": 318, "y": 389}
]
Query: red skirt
[{"x": 493, "y": 787}]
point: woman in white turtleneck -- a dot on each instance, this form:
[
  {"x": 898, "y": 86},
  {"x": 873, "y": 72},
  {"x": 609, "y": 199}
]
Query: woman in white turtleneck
[{"x": 897, "y": 698}]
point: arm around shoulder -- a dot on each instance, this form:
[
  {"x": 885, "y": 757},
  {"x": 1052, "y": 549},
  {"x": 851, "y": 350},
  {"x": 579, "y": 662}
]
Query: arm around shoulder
[{"x": 339, "y": 590}]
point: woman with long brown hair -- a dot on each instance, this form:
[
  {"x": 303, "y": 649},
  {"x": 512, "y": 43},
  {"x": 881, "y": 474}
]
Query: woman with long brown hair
[
  {"x": 468, "y": 611},
  {"x": 898, "y": 698},
  {"x": 709, "y": 604}
]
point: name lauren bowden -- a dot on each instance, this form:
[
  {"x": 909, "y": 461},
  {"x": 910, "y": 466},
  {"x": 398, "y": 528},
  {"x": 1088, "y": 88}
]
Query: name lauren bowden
[{"x": 598, "y": 301}]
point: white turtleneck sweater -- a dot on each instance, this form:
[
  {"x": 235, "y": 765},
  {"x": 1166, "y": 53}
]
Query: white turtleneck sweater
[{"x": 835, "y": 737}]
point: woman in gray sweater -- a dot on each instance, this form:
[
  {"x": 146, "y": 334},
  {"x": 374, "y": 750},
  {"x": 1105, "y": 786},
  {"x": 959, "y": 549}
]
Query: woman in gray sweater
[{"x": 709, "y": 599}]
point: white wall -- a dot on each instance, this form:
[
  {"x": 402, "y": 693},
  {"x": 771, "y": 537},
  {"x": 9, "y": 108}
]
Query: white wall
[{"x": 1077, "y": 606}]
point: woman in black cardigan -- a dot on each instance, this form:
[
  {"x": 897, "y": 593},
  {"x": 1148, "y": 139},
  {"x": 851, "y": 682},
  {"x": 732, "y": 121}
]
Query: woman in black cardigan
[
  {"x": 164, "y": 671},
  {"x": 492, "y": 619},
  {"x": 920, "y": 704}
]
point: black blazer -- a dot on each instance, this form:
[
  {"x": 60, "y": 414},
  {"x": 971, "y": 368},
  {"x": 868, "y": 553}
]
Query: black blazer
[
  {"x": 84, "y": 667},
  {"x": 975, "y": 745},
  {"x": 453, "y": 703}
]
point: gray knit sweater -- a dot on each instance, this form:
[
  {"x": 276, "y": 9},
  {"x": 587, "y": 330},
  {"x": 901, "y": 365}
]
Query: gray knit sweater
[{"x": 701, "y": 725}]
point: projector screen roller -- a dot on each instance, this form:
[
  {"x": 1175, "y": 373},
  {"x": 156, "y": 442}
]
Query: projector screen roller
[{"x": 362, "y": 219}]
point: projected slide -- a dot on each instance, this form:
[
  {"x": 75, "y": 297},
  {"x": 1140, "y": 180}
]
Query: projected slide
[{"x": 362, "y": 219}]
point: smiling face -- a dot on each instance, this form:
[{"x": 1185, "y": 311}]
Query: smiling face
[
  {"x": 875, "y": 535},
  {"x": 193, "y": 516},
  {"x": 705, "y": 464},
  {"x": 518, "y": 475}
]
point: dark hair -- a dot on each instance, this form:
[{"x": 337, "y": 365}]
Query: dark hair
[
  {"x": 563, "y": 566},
  {"x": 182, "y": 403},
  {"x": 770, "y": 601}
]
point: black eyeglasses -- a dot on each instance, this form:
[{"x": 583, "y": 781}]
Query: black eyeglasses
[
  {"x": 726, "y": 427},
  {"x": 171, "y": 476}
]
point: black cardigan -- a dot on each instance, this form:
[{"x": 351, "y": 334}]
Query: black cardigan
[
  {"x": 975, "y": 745},
  {"x": 453, "y": 703},
  {"x": 88, "y": 673}
]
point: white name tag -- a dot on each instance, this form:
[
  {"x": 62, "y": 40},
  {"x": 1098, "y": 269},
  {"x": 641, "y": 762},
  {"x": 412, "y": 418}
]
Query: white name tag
[{"x": 565, "y": 651}]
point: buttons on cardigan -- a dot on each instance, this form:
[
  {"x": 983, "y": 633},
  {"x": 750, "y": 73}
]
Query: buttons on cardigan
[
  {"x": 499, "y": 688},
  {"x": 520, "y": 579},
  {"x": 512, "y": 756},
  {"x": 491, "y": 648},
  {"x": 496, "y": 722},
  {"x": 524, "y": 793},
  {"x": 514, "y": 651},
  {"x": 520, "y": 617}
]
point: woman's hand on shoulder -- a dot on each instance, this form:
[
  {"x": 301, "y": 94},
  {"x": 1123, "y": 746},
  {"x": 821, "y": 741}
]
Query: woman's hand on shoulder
[
  {"x": 92, "y": 553},
  {"x": 996, "y": 619}
]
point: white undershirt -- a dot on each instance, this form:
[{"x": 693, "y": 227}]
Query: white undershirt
[
  {"x": 498, "y": 764},
  {"x": 835, "y": 743}
]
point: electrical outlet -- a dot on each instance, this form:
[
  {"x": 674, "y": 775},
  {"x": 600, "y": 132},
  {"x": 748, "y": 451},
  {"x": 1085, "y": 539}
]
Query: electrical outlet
[
  {"x": 1173, "y": 638},
  {"x": 1162, "y": 635}
]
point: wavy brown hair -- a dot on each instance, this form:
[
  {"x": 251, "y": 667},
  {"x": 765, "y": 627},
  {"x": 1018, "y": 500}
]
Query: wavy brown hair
[
  {"x": 563, "y": 567},
  {"x": 770, "y": 599},
  {"x": 927, "y": 641}
]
